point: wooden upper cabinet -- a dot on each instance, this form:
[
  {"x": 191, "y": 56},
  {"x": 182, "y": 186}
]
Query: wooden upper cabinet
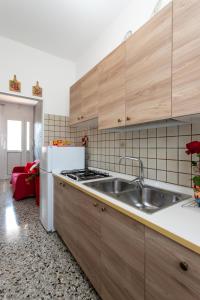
[
  {"x": 90, "y": 92},
  {"x": 172, "y": 271},
  {"x": 148, "y": 70},
  {"x": 75, "y": 103},
  {"x": 122, "y": 256},
  {"x": 186, "y": 57},
  {"x": 112, "y": 89}
]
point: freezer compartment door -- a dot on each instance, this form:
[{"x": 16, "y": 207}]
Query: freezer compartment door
[
  {"x": 46, "y": 200},
  {"x": 68, "y": 158},
  {"x": 62, "y": 158}
]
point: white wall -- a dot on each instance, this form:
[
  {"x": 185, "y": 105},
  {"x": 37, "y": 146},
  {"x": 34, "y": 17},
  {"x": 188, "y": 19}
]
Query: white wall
[
  {"x": 54, "y": 74},
  {"x": 131, "y": 18}
]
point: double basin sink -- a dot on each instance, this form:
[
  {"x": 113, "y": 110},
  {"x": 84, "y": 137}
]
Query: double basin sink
[{"x": 148, "y": 199}]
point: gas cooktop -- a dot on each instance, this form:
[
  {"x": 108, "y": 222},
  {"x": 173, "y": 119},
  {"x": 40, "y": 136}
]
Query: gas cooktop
[{"x": 84, "y": 174}]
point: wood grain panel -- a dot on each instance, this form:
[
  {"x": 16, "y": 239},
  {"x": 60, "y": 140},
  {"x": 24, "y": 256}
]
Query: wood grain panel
[
  {"x": 75, "y": 103},
  {"x": 65, "y": 214},
  {"x": 112, "y": 89},
  {"x": 89, "y": 236},
  {"x": 148, "y": 70},
  {"x": 122, "y": 257},
  {"x": 90, "y": 95},
  {"x": 186, "y": 57},
  {"x": 164, "y": 277},
  {"x": 77, "y": 220}
]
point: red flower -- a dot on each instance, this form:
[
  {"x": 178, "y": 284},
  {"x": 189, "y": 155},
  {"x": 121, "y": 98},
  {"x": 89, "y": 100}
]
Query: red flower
[{"x": 193, "y": 147}]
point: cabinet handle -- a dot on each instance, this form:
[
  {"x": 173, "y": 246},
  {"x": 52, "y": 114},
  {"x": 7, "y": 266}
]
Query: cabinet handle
[
  {"x": 82, "y": 117},
  {"x": 60, "y": 183},
  {"x": 95, "y": 204},
  {"x": 103, "y": 208},
  {"x": 184, "y": 266},
  {"x": 119, "y": 120},
  {"x": 128, "y": 118}
]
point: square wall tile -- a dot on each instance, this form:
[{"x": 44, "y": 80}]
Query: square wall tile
[
  {"x": 172, "y": 154},
  {"x": 172, "y": 165},
  {"x": 172, "y": 131},
  {"x": 185, "y": 167},
  {"x": 161, "y": 164},
  {"x": 152, "y": 132},
  {"x": 162, "y": 153},
  {"x": 161, "y": 175},
  {"x": 161, "y": 142},
  {"x": 172, "y": 177},
  {"x": 183, "y": 140},
  {"x": 185, "y": 179},
  {"x": 161, "y": 132},
  {"x": 185, "y": 129},
  {"x": 152, "y": 174}
]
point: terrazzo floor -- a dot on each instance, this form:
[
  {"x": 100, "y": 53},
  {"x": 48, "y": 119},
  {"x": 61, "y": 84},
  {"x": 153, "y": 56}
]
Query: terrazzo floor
[{"x": 33, "y": 263}]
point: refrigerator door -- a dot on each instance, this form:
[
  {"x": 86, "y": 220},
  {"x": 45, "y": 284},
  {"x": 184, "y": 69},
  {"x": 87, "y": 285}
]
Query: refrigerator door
[
  {"x": 46, "y": 200},
  {"x": 46, "y": 159},
  {"x": 60, "y": 158}
]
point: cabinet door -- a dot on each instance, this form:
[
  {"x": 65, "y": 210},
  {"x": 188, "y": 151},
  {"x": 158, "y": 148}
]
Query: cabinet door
[
  {"x": 148, "y": 70},
  {"x": 112, "y": 89},
  {"x": 75, "y": 103},
  {"x": 88, "y": 235},
  {"x": 122, "y": 257},
  {"x": 65, "y": 214},
  {"x": 186, "y": 60},
  {"x": 166, "y": 274},
  {"x": 90, "y": 93}
]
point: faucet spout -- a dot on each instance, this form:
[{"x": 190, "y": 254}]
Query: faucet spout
[{"x": 140, "y": 178}]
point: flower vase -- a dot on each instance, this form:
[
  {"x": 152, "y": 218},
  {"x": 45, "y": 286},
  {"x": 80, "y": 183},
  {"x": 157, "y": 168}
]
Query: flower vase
[{"x": 197, "y": 195}]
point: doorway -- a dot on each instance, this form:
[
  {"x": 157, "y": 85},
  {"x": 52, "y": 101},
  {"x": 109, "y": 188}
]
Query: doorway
[{"x": 16, "y": 136}]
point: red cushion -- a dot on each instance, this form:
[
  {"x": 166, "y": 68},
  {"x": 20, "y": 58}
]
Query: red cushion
[
  {"x": 14, "y": 178},
  {"x": 28, "y": 166}
]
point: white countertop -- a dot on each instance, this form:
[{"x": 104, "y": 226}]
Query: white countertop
[{"x": 181, "y": 219}]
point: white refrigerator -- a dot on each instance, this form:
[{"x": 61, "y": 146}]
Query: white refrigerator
[{"x": 55, "y": 159}]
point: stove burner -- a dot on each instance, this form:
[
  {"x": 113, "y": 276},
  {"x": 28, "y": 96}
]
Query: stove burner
[{"x": 84, "y": 174}]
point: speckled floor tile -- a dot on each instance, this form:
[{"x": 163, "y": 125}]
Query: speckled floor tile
[{"x": 33, "y": 263}]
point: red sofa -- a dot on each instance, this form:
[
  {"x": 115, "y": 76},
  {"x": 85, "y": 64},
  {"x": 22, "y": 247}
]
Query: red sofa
[{"x": 23, "y": 181}]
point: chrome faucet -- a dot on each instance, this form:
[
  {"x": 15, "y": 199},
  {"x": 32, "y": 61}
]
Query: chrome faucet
[{"x": 140, "y": 178}]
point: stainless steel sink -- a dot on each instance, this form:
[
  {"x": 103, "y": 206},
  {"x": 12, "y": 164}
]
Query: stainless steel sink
[
  {"x": 112, "y": 186},
  {"x": 148, "y": 199}
]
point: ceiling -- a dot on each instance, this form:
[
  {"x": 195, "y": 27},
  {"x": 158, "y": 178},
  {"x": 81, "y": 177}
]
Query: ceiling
[{"x": 64, "y": 28}]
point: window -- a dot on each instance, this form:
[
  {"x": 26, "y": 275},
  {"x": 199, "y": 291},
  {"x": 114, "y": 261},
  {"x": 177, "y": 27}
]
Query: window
[
  {"x": 27, "y": 136},
  {"x": 14, "y": 135}
]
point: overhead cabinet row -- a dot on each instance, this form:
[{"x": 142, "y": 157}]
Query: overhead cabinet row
[{"x": 154, "y": 75}]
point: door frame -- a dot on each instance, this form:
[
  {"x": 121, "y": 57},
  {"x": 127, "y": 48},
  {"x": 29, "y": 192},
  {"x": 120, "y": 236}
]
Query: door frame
[{"x": 9, "y": 98}]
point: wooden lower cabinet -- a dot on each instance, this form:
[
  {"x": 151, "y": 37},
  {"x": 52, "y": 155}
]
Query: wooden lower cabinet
[
  {"x": 88, "y": 235},
  {"x": 172, "y": 272},
  {"x": 77, "y": 220},
  {"x": 108, "y": 245},
  {"x": 122, "y": 257},
  {"x": 65, "y": 214}
]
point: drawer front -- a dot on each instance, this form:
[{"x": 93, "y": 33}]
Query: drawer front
[{"x": 172, "y": 271}]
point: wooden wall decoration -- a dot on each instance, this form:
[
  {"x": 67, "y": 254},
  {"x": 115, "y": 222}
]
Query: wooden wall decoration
[
  {"x": 14, "y": 85},
  {"x": 37, "y": 90}
]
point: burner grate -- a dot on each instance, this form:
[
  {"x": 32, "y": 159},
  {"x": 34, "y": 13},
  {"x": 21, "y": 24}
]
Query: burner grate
[{"x": 84, "y": 174}]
